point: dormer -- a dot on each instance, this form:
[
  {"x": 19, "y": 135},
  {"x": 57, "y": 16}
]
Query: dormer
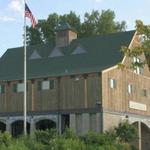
[{"x": 64, "y": 35}]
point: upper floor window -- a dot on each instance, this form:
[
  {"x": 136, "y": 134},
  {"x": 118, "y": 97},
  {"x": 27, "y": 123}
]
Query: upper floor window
[
  {"x": 138, "y": 70},
  {"x": 144, "y": 93},
  {"x": 130, "y": 88},
  {"x": 18, "y": 87},
  {"x": 46, "y": 85},
  {"x": 112, "y": 83},
  {"x": 2, "y": 89}
]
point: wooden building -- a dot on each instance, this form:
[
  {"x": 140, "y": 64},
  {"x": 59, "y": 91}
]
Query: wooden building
[{"x": 76, "y": 83}]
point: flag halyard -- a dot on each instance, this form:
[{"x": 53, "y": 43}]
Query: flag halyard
[{"x": 29, "y": 14}]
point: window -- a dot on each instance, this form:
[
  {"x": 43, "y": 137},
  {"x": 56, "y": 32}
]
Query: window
[
  {"x": 46, "y": 85},
  {"x": 144, "y": 93},
  {"x": 51, "y": 84},
  {"x": 2, "y": 89},
  {"x": 130, "y": 88},
  {"x": 112, "y": 83},
  {"x": 137, "y": 69},
  {"x": 19, "y": 87}
]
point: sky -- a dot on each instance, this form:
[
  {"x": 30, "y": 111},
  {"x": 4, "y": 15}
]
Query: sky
[{"x": 11, "y": 14}]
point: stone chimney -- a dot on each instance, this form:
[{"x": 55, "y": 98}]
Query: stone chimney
[{"x": 64, "y": 35}]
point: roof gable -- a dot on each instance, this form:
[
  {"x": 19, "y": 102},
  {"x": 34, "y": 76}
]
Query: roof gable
[
  {"x": 79, "y": 50},
  {"x": 56, "y": 52},
  {"x": 34, "y": 55}
]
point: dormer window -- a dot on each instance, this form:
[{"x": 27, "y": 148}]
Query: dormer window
[
  {"x": 34, "y": 55},
  {"x": 79, "y": 50},
  {"x": 56, "y": 52}
]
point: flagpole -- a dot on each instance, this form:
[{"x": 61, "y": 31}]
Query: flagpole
[{"x": 25, "y": 76}]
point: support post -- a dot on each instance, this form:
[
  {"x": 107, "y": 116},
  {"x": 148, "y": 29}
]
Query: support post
[{"x": 140, "y": 136}]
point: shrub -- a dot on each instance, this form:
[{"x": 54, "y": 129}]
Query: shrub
[
  {"x": 98, "y": 138},
  {"x": 5, "y": 139},
  {"x": 45, "y": 136},
  {"x": 126, "y": 132},
  {"x": 66, "y": 144},
  {"x": 69, "y": 134}
]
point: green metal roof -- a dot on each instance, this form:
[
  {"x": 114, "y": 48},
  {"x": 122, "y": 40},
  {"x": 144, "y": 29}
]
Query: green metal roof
[
  {"x": 64, "y": 26},
  {"x": 101, "y": 52}
]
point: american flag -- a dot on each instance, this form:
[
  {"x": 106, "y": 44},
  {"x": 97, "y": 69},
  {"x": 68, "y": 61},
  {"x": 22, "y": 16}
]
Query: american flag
[{"x": 29, "y": 14}]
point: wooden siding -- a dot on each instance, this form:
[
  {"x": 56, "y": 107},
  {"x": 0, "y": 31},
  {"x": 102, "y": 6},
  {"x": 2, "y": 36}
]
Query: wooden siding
[
  {"x": 118, "y": 99},
  {"x": 77, "y": 92},
  {"x": 94, "y": 90}
]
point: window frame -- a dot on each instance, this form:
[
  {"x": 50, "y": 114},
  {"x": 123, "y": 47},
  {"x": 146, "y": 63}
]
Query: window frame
[
  {"x": 137, "y": 69},
  {"x": 49, "y": 85},
  {"x": 144, "y": 92},
  {"x": 2, "y": 89},
  {"x": 130, "y": 88},
  {"x": 112, "y": 83}
]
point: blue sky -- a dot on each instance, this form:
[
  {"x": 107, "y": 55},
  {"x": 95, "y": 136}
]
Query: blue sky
[{"x": 11, "y": 14}]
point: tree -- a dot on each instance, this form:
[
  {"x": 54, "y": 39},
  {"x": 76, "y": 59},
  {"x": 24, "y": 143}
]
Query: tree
[
  {"x": 98, "y": 23},
  {"x": 33, "y": 36},
  {"x": 95, "y": 23},
  {"x": 126, "y": 132},
  {"x": 142, "y": 48}
]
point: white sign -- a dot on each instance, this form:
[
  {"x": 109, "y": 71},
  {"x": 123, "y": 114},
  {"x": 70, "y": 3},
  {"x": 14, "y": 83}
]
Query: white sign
[{"x": 138, "y": 106}]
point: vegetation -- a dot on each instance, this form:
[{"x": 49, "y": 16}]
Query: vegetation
[
  {"x": 142, "y": 48},
  {"x": 51, "y": 140},
  {"x": 95, "y": 23}
]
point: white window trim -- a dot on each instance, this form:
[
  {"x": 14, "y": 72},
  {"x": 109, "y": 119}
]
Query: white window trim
[
  {"x": 137, "y": 69},
  {"x": 112, "y": 83},
  {"x": 20, "y": 87},
  {"x": 130, "y": 88},
  {"x": 45, "y": 85}
]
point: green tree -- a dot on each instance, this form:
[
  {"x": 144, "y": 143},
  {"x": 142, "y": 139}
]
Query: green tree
[
  {"x": 98, "y": 23},
  {"x": 126, "y": 132},
  {"x": 33, "y": 36},
  {"x": 95, "y": 23},
  {"x": 142, "y": 48}
]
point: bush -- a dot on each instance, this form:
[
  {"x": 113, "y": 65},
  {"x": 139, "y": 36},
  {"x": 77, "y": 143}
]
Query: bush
[
  {"x": 66, "y": 144},
  {"x": 45, "y": 136},
  {"x": 126, "y": 132},
  {"x": 5, "y": 139},
  {"x": 69, "y": 134},
  {"x": 98, "y": 138},
  {"x": 51, "y": 140}
]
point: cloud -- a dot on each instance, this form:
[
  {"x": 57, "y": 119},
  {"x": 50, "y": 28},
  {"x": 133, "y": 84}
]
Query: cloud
[
  {"x": 7, "y": 19},
  {"x": 16, "y": 5}
]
